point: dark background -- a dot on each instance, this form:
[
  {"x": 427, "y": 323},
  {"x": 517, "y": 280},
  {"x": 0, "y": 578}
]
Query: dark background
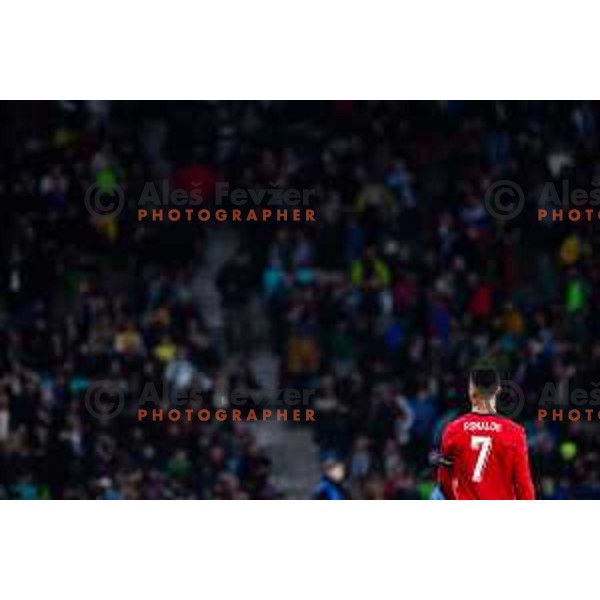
[{"x": 381, "y": 306}]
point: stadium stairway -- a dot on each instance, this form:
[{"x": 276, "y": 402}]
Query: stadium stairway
[
  {"x": 220, "y": 245},
  {"x": 290, "y": 446}
]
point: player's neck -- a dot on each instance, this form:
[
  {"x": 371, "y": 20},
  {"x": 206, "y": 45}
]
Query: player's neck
[{"x": 485, "y": 408}]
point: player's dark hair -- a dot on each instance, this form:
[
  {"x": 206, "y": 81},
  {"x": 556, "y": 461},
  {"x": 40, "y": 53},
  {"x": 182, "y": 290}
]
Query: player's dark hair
[{"x": 487, "y": 381}]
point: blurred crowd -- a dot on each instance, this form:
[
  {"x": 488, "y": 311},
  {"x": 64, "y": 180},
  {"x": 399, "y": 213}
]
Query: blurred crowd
[
  {"x": 100, "y": 308},
  {"x": 409, "y": 281},
  {"x": 382, "y": 305}
]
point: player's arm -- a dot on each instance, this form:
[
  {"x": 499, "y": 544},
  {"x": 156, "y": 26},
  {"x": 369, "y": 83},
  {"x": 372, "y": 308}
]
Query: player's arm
[
  {"x": 524, "y": 489},
  {"x": 444, "y": 464}
]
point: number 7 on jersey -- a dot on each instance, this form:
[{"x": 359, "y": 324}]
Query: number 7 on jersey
[{"x": 484, "y": 445}]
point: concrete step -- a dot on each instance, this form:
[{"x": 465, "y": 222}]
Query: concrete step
[{"x": 294, "y": 454}]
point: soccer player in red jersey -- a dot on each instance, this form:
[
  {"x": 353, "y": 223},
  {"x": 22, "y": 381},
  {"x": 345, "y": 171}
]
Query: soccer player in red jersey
[{"x": 484, "y": 455}]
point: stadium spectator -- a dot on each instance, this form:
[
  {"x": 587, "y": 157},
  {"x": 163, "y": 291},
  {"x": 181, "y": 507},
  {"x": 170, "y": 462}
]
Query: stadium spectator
[{"x": 382, "y": 305}]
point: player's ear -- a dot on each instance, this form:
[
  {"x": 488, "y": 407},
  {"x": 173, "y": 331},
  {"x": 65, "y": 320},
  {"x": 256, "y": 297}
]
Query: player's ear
[{"x": 473, "y": 392}]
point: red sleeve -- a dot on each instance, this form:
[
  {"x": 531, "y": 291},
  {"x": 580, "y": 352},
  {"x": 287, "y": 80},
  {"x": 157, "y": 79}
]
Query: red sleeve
[
  {"x": 445, "y": 473},
  {"x": 524, "y": 489}
]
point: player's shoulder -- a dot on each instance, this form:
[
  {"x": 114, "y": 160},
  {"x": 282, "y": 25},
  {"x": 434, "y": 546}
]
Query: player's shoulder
[
  {"x": 456, "y": 424},
  {"x": 515, "y": 428}
]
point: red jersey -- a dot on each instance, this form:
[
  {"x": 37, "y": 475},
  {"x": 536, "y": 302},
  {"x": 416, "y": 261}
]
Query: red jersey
[{"x": 489, "y": 460}]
